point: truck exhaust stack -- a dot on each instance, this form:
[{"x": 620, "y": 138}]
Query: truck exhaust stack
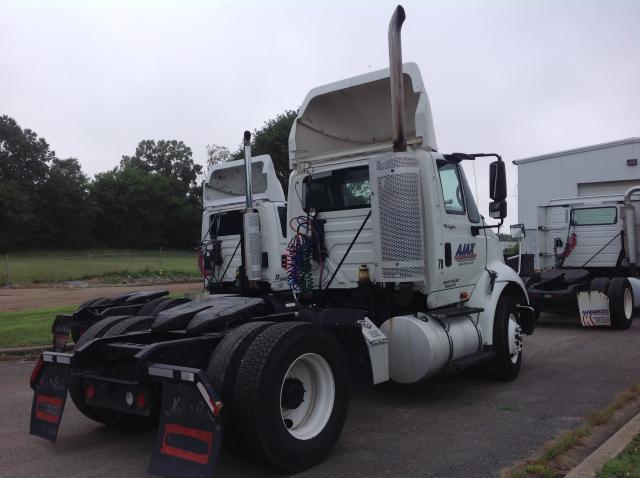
[
  {"x": 247, "y": 168},
  {"x": 397, "y": 82}
]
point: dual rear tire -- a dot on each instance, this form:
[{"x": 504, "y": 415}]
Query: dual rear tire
[{"x": 285, "y": 391}]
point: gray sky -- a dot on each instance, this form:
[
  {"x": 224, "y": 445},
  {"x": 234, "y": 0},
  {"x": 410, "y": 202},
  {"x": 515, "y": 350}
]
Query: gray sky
[{"x": 515, "y": 77}]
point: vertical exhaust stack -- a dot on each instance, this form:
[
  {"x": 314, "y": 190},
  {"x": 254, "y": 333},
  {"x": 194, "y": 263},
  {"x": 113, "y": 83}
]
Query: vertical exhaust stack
[
  {"x": 247, "y": 169},
  {"x": 250, "y": 223},
  {"x": 396, "y": 80},
  {"x": 630, "y": 226}
]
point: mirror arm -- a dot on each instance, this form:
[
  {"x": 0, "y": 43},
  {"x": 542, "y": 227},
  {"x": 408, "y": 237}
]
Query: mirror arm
[{"x": 475, "y": 230}]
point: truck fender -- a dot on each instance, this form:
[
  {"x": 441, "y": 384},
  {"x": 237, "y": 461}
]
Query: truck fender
[
  {"x": 347, "y": 324},
  {"x": 486, "y": 296}
]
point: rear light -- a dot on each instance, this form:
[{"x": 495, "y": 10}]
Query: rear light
[
  {"x": 36, "y": 371},
  {"x": 141, "y": 400},
  {"x": 90, "y": 392},
  {"x": 128, "y": 398}
]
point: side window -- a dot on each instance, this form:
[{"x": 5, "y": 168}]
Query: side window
[
  {"x": 225, "y": 223},
  {"x": 451, "y": 188},
  {"x": 338, "y": 190},
  {"x": 594, "y": 216}
]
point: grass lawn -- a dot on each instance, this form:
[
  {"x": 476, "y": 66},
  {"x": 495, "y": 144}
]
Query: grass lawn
[
  {"x": 26, "y": 268},
  {"x": 29, "y": 327},
  {"x": 23, "y": 328},
  {"x": 626, "y": 464}
]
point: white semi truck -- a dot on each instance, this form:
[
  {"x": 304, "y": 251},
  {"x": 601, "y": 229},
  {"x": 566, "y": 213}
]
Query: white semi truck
[
  {"x": 589, "y": 258},
  {"x": 393, "y": 275},
  {"x": 224, "y": 203}
]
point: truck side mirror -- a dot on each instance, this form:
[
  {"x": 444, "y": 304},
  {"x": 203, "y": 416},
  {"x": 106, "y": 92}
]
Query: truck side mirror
[
  {"x": 517, "y": 231},
  {"x": 497, "y": 182},
  {"x": 498, "y": 209}
]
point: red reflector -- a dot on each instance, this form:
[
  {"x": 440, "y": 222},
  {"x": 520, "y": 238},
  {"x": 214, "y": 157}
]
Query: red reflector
[
  {"x": 141, "y": 400},
  {"x": 90, "y": 392},
  {"x": 36, "y": 371},
  {"x": 173, "y": 431},
  {"x": 48, "y": 408}
]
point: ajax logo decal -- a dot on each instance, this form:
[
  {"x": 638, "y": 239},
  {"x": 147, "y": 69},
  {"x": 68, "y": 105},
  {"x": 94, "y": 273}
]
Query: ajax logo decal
[{"x": 465, "y": 253}]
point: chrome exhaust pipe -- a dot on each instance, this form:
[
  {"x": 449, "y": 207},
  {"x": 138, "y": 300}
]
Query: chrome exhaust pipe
[
  {"x": 247, "y": 169},
  {"x": 396, "y": 80},
  {"x": 630, "y": 226}
]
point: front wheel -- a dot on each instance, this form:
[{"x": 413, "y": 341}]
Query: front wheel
[
  {"x": 291, "y": 396},
  {"x": 507, "y": 340}
]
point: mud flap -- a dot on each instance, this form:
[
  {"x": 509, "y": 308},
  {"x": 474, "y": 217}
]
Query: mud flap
[
  {"x": 50, "y": 383},
  {"x": 594, "y": 308},
  {"x": 190, "y": 428}
]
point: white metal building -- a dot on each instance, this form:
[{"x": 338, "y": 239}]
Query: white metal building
[{"x": 607, "y": 168}]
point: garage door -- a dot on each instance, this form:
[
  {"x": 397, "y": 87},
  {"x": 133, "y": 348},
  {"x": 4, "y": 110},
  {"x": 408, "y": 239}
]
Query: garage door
[{"x": 606, "y": 187}]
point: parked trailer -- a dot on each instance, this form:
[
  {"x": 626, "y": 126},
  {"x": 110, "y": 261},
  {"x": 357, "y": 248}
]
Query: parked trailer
[
  {"x": 394, "y": 273},
  {"x": 589, "y": 258}
]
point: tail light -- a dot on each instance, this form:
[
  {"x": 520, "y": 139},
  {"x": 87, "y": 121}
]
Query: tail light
[
  {"x": 90, "y": 392},
  {"x": 141, "y": 400}
]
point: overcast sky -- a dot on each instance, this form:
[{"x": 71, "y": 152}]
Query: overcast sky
[{"x": 515, "y": 77}]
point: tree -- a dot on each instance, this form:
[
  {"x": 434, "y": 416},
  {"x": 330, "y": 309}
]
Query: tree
[
  {"x": 23, "y": 156},
  {"x": 65, "y": 210},
  {"x": 273, "y": 139},
  {"x": 172, "y": 159},
  {"x": 217, "y": 154},
  {"x": 150, "y": 200},
  {"x": 24, "y": 166}
]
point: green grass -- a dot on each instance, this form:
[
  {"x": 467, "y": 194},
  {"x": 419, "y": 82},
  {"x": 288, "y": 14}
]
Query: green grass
[
  {"x": 542, "y": 465},
  {"x": 626, "y": 464},
  {"x": 30, "y": 267},
  {"x": 23, "y": 328},
  {"x": 29, "y": 327}
]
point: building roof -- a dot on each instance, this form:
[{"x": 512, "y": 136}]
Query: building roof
[{"x": 595, "y": 147}]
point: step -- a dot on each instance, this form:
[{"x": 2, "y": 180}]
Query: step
[{"x": 454, "y": 312}]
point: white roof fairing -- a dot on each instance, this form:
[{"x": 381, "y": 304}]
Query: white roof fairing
[
  {"x": 356, "y": 112},
  {"x": 225, "y": 182}
]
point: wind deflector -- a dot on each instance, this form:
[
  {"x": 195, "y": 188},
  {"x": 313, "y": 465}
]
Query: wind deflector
[
  {"x": 225, "y": 182},
  {"x": 356, "y": 113}
]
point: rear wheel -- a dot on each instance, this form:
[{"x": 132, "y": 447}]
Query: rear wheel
[
  {"x": 291, "y": 396},
  {"x": 621, "y": 303},
  {"x": 507, "y": 340},
  {"x": 225, "y": 360}
]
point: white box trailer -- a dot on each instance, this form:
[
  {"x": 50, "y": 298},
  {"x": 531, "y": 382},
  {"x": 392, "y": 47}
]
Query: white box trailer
[{"x": 587, "y": 250}]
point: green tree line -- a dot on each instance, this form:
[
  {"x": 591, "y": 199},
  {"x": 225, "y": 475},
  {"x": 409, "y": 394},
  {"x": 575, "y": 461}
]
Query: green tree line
[{"x": 151, "y": 199}]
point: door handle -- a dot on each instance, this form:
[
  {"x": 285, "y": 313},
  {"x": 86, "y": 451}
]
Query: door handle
[{"x": 450, "y": 226}]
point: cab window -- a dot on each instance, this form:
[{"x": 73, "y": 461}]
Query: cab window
[
  {"x": 594, "y": 216},
  {"x": 338, "y": 190},
  {"x": 452, "y": 189},
  {"x": 225, "y": 223}
]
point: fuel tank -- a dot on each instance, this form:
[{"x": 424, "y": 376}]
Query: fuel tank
[{"x": 421, "y": 346}]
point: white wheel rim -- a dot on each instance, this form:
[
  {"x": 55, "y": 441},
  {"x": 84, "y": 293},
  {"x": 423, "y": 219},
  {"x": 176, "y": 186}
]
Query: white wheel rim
[
  {"x": 628, "y": 303},
  {"x": 309, "y": 418},
  {"x": 515, "y": 339}
]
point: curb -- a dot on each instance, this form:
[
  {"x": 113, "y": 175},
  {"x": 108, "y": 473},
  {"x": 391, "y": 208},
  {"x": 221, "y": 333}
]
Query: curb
[
  {"x": 24, "y": 350},
  {"x": 28, "y": 350},
  {"x": 591, "y": 465}
]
